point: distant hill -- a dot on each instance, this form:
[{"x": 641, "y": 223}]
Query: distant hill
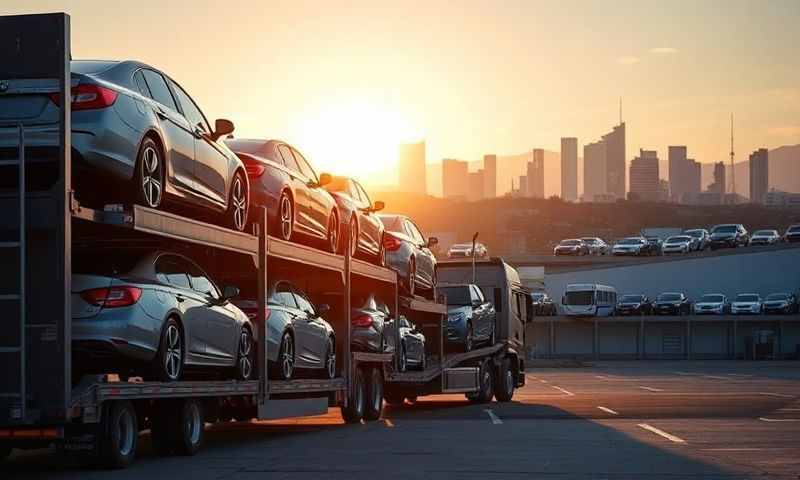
[{"x": 784, "y": 171}]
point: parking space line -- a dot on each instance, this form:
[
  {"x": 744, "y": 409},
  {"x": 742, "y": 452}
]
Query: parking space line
[
  {"x": 388, "y": 423},
  {"x": 779, "y": 419},
  {"x": 651, "y": 389},
  {"x": 608, "y": 410},
  {"x": 495, "y": 419},
  {"x": 661, "y": 433},
  {"x": 570, "y": 394}
]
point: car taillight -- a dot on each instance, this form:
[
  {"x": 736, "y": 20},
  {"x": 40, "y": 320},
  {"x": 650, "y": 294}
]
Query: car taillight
[
  {"x": 362, "y": 320},
  {"x": 253, "y": 167},
  {"x": 112, "y": 297},
  {"x": 391, "y": 243},
  {"x": 88, "y": 97}
]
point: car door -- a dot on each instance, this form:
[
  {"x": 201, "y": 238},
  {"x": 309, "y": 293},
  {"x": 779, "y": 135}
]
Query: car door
[
  {"x": 172, "y": 271},
  {"x": 282, "y": 300},
  {"x": 221, "y": 333},
  {"x": 302, "y": 216},
  {"x": 320, "y": 201},
  {"x": 211, "y": 165},
  {"x": 307, "y": 326},
  {"x": 412, "y": 341},
  {"x": 370, "y": 231},
  {"x": 178, "y": 133},
  {"x": 423, "y": 256},
  {"x": 484, "y": 324}
]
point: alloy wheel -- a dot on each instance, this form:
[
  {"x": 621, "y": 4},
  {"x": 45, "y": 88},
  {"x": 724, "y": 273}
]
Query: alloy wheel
[
  {"x": 125, "y": 433},
  {"x": 287, "y": 357},
  {"x": 330, "y": 360},
  {"x": 402, "y": 365},
  {"x": 239, "y": 203},
  {"x": 193, "y": 424},
  {"x": 245, "y": 350},
  {"x": 174, "y": 354},
  {"x": 152, "y": 181},
  {"x": 470, "y": 338},
  {"x": 353, "y": 236},
  {"x": 286, "y": 217},
  {"x": 333, "y": 234}
]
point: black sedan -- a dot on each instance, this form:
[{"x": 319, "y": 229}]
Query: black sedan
[
  {"x": 672, "y": 303},
  {"x": 470, "y": 317},
  {"x": 730, "y": 235},
  {"x": 358, "y": 217},
  {"x": 283, "y": 181},
  {"x": 408, "y": 253},
  {"x": 634, "y": 305}
]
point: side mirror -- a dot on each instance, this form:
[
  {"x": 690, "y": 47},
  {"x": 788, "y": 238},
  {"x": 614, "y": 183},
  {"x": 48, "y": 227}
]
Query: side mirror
[
  {"x": 229, "y": 291},
  {"x": 222, "y": 127},
  {"x": 432, "y": 241},
  {"x": 324, "y": 179},
  {"x": 378, "y": 206},
  {"x": 323, "y": 309}
]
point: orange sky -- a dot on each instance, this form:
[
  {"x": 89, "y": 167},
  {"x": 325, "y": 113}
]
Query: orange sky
[{"x": 347, "y": 81}]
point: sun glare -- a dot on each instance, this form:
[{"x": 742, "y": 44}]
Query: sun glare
[{"x": 354, "y": 137}]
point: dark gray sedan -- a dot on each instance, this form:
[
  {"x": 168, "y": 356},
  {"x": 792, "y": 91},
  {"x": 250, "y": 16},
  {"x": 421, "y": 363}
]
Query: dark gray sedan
[
  {"x": 409, "y": 254},
  {"x": 373, "y": 330},
  {"x": 136, "y": 136},
  {"x": 470, "y": 318},
  {"x": 153, "y": 314}
]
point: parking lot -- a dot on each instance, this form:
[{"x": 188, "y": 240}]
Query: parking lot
[{"x": 613, "y": 420}]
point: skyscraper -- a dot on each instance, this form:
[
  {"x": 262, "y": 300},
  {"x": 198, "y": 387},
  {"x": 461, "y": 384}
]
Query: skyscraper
[
  {"x": 490, "y": 176},
  {"x": 569, "y": 169},
  {"x": 759, "y": 175},
  {"x": 411, "y": 168},
  {"x": 594, "y": 171},
  {"x": 684, "y": 175},
  {"x": 455, "y": 178},
  {"x": 535, "y": 174},
  {"x": 645, "y": 184},
  {"x": 694, "y": 177},
  {"x": 719, "y": 179},
  {"x": 475, "y": 189},
  {"x": 615, "y": 161}
]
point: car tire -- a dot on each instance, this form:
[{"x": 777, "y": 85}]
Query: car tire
[
  {"x": 411, "y": 278},
  {"x": 171, "y": 354},
  {"x": 486, "y": 385},
  {"x": 374, "y": 406},
  {"x": 402, "y": 360},
  {"x": 284, "y": 220},
  {"x": 119, "y": 434},
  {"x": 236, "y": 213},
  {"x": 354, "y": 411},
  {"x": 469, "y": 338},
  {"x": 353, "y": 238},
  {"x": 333, "y": 232},
  {"x": 245, "y": 356},
  {"x": 149, "y": 177},
  {"x": 506, "y": 383},
  {"x": 330, "y": 359},
  {"x": 283, "y": 368}
]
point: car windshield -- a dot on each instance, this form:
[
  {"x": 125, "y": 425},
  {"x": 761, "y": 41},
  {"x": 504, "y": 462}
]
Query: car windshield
[
  {"x": 631, "y": 241},
  {"x": 393, "y": 223},
  {"x": 458, "y": 296},
  {"x": 746, "y": 297},
  {"x": 725, "y": 229},
  {"x": 253, "y": 147},
  {"x": 679, "y": 239},
  {"x": 778, "y": 296},
  {"x": 794, "y": 229},
  {"x": 765, "y": 233},
  {"x": 338, "y": 184},
  {"x": 108, "y": 262},
  {"x": 669, "y": 297},
  {"x": 580, "y": 298},
  {"x": 694, "y": 233},
  {"x": 631, "y": 298},
  {"x": 570, "y": 243},
  {"x": 712, "y": 298}
]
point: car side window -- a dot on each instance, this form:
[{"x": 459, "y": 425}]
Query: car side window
[
  {"x": 158, "y": 88},
  {"x": 305, "y": 167},
  {"x": 288, "y": 158},
  {"x": 138, "y": 79},
  {"x": 365, "y": 201},
  {"x": 283, "y": 295},
  {"x": 170, "y": 271},
  {"x": 414, "y": 232},
  {"x": 303, "y": 303},
  {"x": 201, "y": 283},
  {"x": 190, "y": 109}
]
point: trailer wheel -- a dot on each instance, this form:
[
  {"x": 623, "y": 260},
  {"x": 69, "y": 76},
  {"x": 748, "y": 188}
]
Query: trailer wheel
[
  {"x": 354, "y": 411},
  {"x": 505, "y": 382},
  {"x": 189, "y": 428},
  {"x": 374, "y": 408},
  {"x": 486, "y": 384},
  {"x": 119, "y": 432}
]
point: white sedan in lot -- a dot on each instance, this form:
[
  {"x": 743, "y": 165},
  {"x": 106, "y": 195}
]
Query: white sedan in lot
[
  {"x": 747, "y": 304},
  {"x": 711, "y": 304},
  {"x": 765, "y": 237},
  {"x": 677, "y": 244}
]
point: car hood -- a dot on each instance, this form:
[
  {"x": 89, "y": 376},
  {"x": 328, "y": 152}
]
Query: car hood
[
  {"x": 629, "y": 304},
  {"x": 455, "y": 310},
  {"x": 745, "y": 304},
  {"x": 709, "y": 304},
  {"x": 722, "y": 236}
]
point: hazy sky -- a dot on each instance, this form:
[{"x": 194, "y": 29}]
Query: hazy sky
[{"x": 347, "y": 81}]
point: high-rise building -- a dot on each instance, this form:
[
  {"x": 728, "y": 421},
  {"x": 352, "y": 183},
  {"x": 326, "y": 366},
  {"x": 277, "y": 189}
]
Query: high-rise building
[
  {"x": 569, "y": 169},
  {"x": 695, "y": 182},
  {"x": 490, "y": 176},
  {"x": 718, "y": 186},
  {"x": 523, "y": 186},
  {"x": 455, "y": 178},
  {"x": 411, "y": 168},
  {"x": 615, "y": 161},
  {"x": 644, "y": 179},
  {"x": 475, "y": 191},
  {"x": 594, "y": 171},
  {"x": 535, "y": 174},
  {"x": 684, "y": 175},
  {"x": 759, "y": 175}
]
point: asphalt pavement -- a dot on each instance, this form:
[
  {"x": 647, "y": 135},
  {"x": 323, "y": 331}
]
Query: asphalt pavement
[{"x": 614, "y": 420}]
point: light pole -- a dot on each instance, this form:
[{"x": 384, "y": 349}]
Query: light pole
[{"x": 474, "y": 238}]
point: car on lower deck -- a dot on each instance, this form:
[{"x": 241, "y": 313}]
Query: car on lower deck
[
  {"x": 359, "y": 218},
  {"x": 139, "y": 313},
  {"x": 411, "y": 354},
  {"x": 747, "y": 304},
  {"x": 299, "y": 339},
  {"x": 636, "y": 304},
  {"x": 137, "y": 136},
  {"x": 471, "y": 319},
  {"x": 299, "y": 208},
  {"x": 408, "y": 253},
  {"x": 712, "y": 304}
]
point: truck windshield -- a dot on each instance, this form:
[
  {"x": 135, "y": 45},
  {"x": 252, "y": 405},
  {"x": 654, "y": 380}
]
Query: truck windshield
[
  {"x": 580, "y": 298},
  {"x": 457, "y": 295}
]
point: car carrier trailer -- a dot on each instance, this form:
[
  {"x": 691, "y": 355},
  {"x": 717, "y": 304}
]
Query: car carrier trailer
[{"x": 41, "y": 222}]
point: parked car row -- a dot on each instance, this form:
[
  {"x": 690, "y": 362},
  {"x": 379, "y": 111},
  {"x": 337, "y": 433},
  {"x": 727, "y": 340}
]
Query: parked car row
[{"x": 677, "y": 303}]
